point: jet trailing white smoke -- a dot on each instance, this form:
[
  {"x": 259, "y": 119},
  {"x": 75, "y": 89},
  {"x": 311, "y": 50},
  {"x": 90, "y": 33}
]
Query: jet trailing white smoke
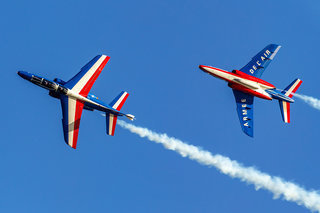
[
  {"x": 276, "y": 185},
  {"x": 314, "y": 102}
]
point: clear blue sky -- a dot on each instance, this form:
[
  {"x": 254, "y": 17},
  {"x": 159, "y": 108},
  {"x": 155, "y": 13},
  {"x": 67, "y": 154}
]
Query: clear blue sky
[{"x": 155, "y": 49}]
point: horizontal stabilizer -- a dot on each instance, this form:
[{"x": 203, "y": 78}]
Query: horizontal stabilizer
[
  {"x": 292, "y": 88},
  {"x": 111, "y": 123},
  {"x": 285, "y": 111},
  {"x": 284, "y": 105},
  {"x": 118, "y": 102}
]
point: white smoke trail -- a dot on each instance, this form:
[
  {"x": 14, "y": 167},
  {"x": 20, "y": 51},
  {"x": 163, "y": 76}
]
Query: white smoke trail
[
  {"x": 314, "y": 102},
  {"x": 279, "y": 187}
]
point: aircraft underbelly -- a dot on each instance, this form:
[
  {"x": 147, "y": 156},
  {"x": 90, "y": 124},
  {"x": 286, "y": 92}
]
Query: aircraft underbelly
[
  {"x": 242, "y": 84},
  {"x": 93, "y": 106},
  {"x": 259, "y": 92}
]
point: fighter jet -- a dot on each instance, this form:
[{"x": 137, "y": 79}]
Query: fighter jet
[
  {"x": 246, "y": 84},
  {"x": 74, "y": 97}
]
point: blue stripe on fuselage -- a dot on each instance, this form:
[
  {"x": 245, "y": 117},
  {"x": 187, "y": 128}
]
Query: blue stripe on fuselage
[{"x": 95, "y": 99}]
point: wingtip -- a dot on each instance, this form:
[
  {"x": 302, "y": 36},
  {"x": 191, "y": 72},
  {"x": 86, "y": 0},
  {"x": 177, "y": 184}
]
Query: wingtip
[
  {"x": 73, "y": 147},
  {"x": 101, "y": 55},
  {"x": 250, "y": 134}
]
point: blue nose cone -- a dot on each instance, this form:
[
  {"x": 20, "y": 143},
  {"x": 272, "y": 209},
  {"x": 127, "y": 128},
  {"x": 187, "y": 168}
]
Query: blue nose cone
[{"x": 25, "y": 75}]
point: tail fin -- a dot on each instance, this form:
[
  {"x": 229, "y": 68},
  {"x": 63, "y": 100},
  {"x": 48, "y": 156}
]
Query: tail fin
[
  {"x": 285, "y": 106},
  {"x": 117, "y": 104}
]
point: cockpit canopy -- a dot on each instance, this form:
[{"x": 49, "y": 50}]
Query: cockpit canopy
[{"x": 59, "y": 81}]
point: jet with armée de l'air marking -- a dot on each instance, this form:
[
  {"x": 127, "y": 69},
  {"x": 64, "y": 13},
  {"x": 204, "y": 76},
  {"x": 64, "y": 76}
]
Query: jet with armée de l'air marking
[
  {"x": 246, "y": 84},
  {"x": 74, "y": 97}
]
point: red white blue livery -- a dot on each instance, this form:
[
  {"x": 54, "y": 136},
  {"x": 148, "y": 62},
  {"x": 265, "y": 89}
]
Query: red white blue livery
[
  {"x": 246, "y": 84},
  {"x": 74, "y": 97}
]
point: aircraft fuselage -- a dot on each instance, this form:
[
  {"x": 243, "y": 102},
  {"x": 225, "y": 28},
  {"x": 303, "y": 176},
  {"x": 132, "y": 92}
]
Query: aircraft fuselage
[
  {"x": 246, "y": 83},
  {"x": 56, "y": 88}
]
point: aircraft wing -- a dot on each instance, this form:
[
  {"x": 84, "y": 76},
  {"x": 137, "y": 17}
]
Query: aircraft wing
[
  {"x": 71, "y": 111},
  {"x": 82, "y": 82},
  {"x": 72, "y": 108},
  {"x": 260, "y": 62},
  {"x": 245, "y": 111}
]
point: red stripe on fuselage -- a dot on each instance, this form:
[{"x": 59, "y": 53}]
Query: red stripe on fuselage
[
  {"x": 86, "y": 89},
  {"x": 238, "y": 74}
]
